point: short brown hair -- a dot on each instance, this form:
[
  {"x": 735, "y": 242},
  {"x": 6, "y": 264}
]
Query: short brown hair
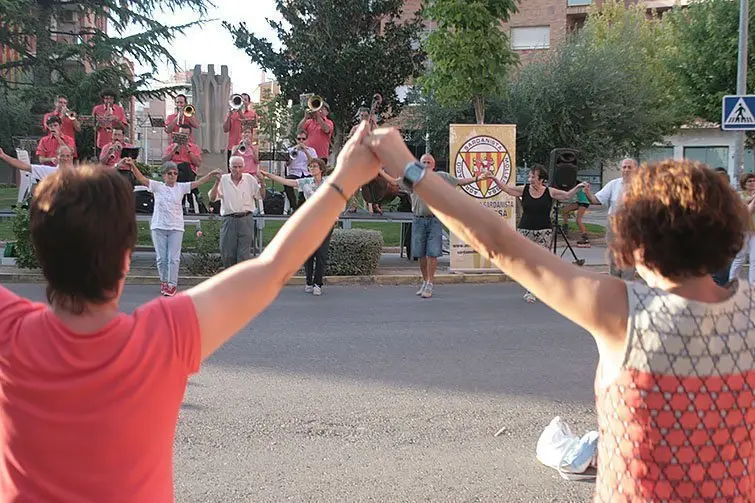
[
  {"x": 83, "y": 222},
  {"x": 744, "y": 178},
  {"x": 320, "y": 164},
  {"x": 686, "y": 220}
]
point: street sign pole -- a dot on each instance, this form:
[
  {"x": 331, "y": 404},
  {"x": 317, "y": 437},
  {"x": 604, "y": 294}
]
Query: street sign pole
[{"x": 737, "y": 170}]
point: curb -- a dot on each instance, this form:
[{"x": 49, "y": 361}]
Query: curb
[{"x": 377, "y": 280}]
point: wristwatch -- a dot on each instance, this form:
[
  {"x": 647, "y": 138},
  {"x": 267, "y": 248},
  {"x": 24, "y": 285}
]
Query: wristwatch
[{"x": 413, "y": 173}]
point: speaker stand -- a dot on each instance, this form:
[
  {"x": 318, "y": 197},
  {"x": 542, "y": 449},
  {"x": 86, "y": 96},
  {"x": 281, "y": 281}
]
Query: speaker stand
[{"x": 558, "y": 230}]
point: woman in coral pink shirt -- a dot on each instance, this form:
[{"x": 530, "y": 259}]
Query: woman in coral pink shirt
[{"x": 90, "y": 395}]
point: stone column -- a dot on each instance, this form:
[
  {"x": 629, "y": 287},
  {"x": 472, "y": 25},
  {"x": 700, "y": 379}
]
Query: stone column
[{"x": 210, "y": 94}]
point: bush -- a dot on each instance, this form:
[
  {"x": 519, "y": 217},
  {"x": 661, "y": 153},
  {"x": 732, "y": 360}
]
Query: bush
[
  {"x": 205, "y": 259},
  {"x": 354, "y": 252},
  {"x": 24, "y": 251}
]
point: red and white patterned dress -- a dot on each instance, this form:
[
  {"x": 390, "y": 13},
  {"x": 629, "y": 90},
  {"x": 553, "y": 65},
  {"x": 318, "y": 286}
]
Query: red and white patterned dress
[{"x": 677, "y": 423}]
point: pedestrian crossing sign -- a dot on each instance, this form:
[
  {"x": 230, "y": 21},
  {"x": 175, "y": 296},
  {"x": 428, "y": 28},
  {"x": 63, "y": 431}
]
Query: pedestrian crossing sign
[{"x": 737, "y": 113}]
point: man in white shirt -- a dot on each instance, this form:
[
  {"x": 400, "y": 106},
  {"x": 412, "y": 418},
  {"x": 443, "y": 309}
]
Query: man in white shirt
[
  {"x": 298, "y": 167},
  {"x": 63, "y": 160},
  {"x": 610, "y": 195},
  {"x": 239, "y": 195}
]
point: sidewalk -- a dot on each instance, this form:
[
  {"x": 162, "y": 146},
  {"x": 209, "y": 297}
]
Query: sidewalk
[{"x": 393, "y": 270}]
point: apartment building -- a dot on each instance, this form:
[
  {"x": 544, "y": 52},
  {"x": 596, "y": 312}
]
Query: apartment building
[{"x": 540, "y": 25}]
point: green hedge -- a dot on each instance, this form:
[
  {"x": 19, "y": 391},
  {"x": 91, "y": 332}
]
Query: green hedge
[
  {"x": 204, "y": 260},
  {"x": 354, "y": 252},
  {"x": 23, "y": 248}
]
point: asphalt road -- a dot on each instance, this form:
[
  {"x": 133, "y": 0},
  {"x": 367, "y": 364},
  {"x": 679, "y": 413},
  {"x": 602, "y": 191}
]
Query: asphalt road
[{"x": 370, "y": 394}]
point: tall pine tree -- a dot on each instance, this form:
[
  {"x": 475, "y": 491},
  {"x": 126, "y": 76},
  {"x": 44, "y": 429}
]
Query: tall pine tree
[{"x": 82, "y": 47}]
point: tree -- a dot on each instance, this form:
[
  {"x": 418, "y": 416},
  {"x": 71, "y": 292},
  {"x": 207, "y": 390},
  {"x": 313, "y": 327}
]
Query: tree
[
  {"x": 54, "y": 52},
  {"x": 704, "y": 56},
  {"x": 604, "y": 91},
  {"x": 342, "y": 50},
  {"x": 470, "y": 54}
]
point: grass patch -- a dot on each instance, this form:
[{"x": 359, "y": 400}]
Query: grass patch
[{"x": 8, "y": 196}]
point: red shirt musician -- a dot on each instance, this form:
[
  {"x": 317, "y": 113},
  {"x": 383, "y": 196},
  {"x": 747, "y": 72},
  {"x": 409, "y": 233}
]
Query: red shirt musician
[
  {"x": 107, "y": 116},
  {"x": 234, "y": 122},
  {"x": 111, "y": 152},
  {"x": 47, "y": 148},
  {"x": 179, "y": 118},
  {"x": 184, "y": 154},
  {"x": 319, "y": 131},
  {"x": 68, "y": 118}
]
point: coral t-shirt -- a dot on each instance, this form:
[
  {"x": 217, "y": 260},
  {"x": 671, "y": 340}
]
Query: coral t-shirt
[{"x": 92, "y": 417}]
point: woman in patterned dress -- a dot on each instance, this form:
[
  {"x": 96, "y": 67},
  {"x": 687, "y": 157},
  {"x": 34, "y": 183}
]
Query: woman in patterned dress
[
  {"x": 537, "y": 201},
  {"x": 675, "y": 384}
]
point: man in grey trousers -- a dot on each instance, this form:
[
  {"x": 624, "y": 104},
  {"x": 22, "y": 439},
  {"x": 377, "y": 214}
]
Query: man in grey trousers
[{"x": 240, "y": 199}]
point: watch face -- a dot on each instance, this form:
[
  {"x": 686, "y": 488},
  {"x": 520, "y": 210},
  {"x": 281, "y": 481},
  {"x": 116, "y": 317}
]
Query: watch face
[{"x": 413, "y": 172}]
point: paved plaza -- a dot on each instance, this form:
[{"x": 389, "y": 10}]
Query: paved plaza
[{"x": 370, "y": 394}]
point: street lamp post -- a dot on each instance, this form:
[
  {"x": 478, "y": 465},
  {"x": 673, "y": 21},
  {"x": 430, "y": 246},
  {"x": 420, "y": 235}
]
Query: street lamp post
[{"x": 744, "y": 8}]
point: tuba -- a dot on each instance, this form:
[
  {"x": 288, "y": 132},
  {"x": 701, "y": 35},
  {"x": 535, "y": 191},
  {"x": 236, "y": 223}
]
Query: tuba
[
  {"x": 236, "y": 102},
  {"x": 189, "y": 111}
]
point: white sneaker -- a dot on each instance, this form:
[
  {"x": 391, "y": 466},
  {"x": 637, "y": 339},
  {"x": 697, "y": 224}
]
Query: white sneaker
[
  {"x": 529, "y": 297},
  {"x": 317, "y": 290},
  {"x": 428, "y": 291},
  {"x": 421, "y": 288},
  {"x": 308, "y": 289}
]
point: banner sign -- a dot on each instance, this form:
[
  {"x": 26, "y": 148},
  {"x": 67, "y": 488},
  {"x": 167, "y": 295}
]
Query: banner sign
[{"x": 476, "y": 149}]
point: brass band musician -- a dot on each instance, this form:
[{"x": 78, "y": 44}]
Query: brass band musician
[
  {"x": 297, "y": 166},
  {"x": 108, "y": 115},
  {"x": 179, "y": 117},
  {"x": 239, "y": 110},
  {"x": 68, "y": 118}
]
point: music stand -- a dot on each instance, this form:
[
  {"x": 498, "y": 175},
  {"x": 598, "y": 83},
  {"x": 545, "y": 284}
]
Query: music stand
[{"x": 156, "y": 122}]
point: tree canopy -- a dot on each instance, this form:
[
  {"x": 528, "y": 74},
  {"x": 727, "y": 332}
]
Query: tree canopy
[
  {"x": 342, "y": 50},
  {"x": 63, "y": 46},
  {"x": 704, "y": 53},
  {"x": 470, "y": 55}
]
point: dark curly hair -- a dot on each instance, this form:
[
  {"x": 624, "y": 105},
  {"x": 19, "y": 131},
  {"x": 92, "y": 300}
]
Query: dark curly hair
[{"x": 686, "y": 220}]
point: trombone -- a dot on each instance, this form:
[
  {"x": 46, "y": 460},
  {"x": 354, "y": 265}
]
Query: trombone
[{"x": 236, "y": 102}]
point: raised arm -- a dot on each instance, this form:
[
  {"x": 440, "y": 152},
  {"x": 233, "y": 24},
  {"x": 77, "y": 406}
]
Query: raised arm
[
  {"x": 140, "y": 178},
  {"x": 206, "y": 178},
  {"x": 12, "y": 161},
  {"x": 516, "y": 191},
  {"x": 223, "y": 304},
  {"x": 594, "y": 301},
  {"x": 280, "y": 179},
  {"x": 563, "y": 195},
  {"x": 467, "y": 181}
]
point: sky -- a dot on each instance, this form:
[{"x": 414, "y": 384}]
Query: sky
[{"x": 210, "y": 43}]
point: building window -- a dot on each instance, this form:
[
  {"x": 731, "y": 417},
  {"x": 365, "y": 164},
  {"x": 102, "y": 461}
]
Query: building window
[
  {"x": 715, "y": 157},
  {"x": 656, "y": 154},
  {"x": 530, "y": 37}
]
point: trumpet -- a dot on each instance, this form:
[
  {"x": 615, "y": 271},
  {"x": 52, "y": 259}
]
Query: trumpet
[
  {"x": 241, "y": 148},
  {"x": 293, "y": 153},
  {"x": 189, "y": 111},
  {"x": 315, "y": 104},
  {"x": 71, "y": 114},
  {"x": 236, "y": 102}
]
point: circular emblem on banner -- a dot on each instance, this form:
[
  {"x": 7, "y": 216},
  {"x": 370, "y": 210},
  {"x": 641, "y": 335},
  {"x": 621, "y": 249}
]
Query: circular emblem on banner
[{"x": 480, "y": 155}]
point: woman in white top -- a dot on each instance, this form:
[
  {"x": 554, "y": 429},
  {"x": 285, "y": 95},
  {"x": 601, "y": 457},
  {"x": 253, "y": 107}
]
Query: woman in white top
[
  {"x": 315, "y": 266},
  {"x": 167, "y": 223}
]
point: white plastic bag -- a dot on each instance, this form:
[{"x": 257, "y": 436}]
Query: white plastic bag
[{"x": 561, "y": 450}]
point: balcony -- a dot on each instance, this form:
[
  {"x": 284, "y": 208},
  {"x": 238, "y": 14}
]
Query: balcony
[{"x": 578, "y": 7}]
